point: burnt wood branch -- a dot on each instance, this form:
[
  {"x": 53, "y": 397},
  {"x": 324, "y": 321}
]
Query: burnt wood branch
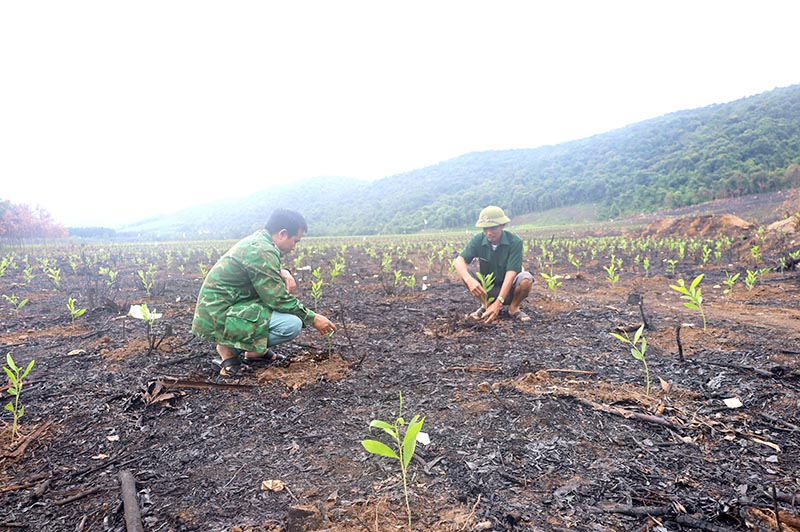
[
  {"x": 627, "y": 414},
  {"x": 130, "y": 502},
  {"x": 678, "y": 341},
  {"x": 172, "y": 382},
  {"x": 77, "y": 496},
  {"x": 665, "y": 512}
]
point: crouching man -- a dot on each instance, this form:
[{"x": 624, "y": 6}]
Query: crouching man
[
  {"x": 246, "y": 303},
  {"x": 499, "y": 252}
]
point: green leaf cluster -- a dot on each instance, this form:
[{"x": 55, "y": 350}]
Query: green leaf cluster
[
  {"x": 637, "y": 351},
  {"x": 404, "y": 438},
  {"x": 693, "y": 295},
  {"x": 15, "y": 377}
]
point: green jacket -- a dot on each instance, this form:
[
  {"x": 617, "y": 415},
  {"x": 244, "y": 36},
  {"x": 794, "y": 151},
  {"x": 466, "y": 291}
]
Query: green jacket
[
  {"x": 240, "y": 293},
  {"x": 507, "y": 257}
]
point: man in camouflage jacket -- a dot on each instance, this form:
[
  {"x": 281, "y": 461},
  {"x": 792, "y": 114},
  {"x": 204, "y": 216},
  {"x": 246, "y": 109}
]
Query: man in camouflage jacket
[{"x": 246, "y": 304}]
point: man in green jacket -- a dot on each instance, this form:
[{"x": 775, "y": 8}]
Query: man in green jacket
[
  {"x": 246, "y": 304},
  {"x": 499, "y": 253}
]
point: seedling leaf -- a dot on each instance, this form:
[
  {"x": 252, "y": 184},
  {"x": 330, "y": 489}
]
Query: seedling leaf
[
  {"x": 381, "y": 449},
  {"x": 410, "y": 439},
  {"x": 384, "y": 426}
]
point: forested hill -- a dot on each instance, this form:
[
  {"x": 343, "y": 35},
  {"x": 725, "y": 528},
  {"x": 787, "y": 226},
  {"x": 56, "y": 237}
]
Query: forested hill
[{"x": 746, "y": 146}]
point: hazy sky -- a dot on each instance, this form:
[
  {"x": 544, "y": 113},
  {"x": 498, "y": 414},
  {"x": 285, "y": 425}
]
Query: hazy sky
[{"x": 113, "y": 111}]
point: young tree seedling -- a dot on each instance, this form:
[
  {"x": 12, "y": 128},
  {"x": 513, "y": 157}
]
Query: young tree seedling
[
  {"x": 552, "y": 281},
  {"x": 410, "y": 281},
  {"x": 611, "y": 271},
  {"x": 73, "y": 310},
  {"x": 141, "y": 312},
  {"x": 404, "y": 438},
  {"x": 487, "y": 282},
  {"x": 729, "y": 282},
  {"x": 15, "y": 376},
  {"x": 15, "y": 302},
  {"x": 316, "y": 286},
  {"x": 750, "y": 280},
  {"x": 638, "y": 352},
  {"x": 692, "y": 294}
]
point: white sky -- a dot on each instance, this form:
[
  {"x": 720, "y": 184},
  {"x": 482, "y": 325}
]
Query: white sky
[{"x": 113, "y": 111}]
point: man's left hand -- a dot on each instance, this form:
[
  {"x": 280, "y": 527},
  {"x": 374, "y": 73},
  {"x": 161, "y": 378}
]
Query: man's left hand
[
  {"x": 492, "y": 311},
  {"x": 291, "y": 284}
]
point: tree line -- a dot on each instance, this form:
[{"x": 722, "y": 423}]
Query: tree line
[{"x": 19, "y": 221}]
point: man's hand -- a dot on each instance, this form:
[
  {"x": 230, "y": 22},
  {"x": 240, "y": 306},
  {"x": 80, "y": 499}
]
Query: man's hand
[
  {"x": 469, "y": 281},
  {"x": 492, "y": 311},
  {"x": 291, "y": 284},
  {"x": 323, "y": 324},
  {"x": 475, "y": 288}
]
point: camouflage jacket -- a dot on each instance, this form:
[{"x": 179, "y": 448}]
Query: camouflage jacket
[{"x": 240, "y": 293}]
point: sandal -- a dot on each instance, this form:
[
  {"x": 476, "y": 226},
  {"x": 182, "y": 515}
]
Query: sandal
[
  {"x": 520, "y": 316},
  {"x": 270, "y": 358},
  {"x": 232, "y": 367}
]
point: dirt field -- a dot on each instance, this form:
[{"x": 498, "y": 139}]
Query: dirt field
[{"x": 540, "y": 426}]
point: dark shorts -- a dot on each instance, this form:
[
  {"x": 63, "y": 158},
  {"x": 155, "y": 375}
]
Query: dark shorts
[{"x": 495, "y": 291}]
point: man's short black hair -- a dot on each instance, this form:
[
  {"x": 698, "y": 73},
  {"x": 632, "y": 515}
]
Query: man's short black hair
[{"x": 287, "y": 219}]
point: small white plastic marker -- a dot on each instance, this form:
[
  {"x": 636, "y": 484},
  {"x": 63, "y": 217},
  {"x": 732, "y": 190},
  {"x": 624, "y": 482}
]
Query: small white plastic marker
[{"x": 733, "y": 402}]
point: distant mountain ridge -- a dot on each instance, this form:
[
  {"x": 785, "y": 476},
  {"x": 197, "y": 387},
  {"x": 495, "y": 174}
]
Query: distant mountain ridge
[{"x": 751, "y": 145}]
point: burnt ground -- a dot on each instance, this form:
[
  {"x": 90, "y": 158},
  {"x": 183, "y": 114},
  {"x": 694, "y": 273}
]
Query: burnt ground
[{"x": 539, "y": 426}]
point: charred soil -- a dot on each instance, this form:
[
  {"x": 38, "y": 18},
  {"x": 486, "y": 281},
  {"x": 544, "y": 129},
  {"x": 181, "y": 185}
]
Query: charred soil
[{"x": 544, "y": 425}]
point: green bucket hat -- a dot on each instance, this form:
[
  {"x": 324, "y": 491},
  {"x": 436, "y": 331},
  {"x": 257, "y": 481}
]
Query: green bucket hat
[{"x": 492, "y": 216}]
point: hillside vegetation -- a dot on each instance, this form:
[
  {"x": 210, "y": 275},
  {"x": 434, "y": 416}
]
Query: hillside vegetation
[{"x": 728, "y": 150}]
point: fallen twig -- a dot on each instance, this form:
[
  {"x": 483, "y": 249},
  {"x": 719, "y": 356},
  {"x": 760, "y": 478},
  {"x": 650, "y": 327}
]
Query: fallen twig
[
  {"x": 789, "y": 426},
  {"x": 15, "y": 487},
  {"x": 77, "y": 496},
  {"x": 471, "y": 368},
  {"x": 667, "y": 512},
  {"x": 579, "y": 371},
  {"x": 174, "y": 382},
  {"x": 133, "y": 516},
  {"x": 347, "y": 333},
  {"x": 627, "y": 414}
]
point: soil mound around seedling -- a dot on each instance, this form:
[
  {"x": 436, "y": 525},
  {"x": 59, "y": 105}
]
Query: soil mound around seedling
[{"x": 707, "y": 226}]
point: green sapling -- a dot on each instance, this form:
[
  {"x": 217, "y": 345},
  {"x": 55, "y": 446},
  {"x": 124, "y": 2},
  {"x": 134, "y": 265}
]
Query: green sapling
[
  {"x": 611, "y": 271},
  {"x": 15, "y": 302},
  {"x": 147, "y": 279},
  {"x": 141, "y": 312},
  {"x": 55, "y": 276},
  {"x": 692, "y": 294},
  {"x": 552, "y": 281},
  {"x": 316, "y": 286},
  {"x": 73, "y": 310},
  {"x": 410, "y": 281},
  {"x": 638, "y": 352},
  {"x": 15, "y": 376},
  {"x": 750, "y": 280},
  {"x": 487, "y": 283},
  {"x": 729, "y": 282},
  {"x": 337, "y": 267},
  {"x": 404, "y": 438}
]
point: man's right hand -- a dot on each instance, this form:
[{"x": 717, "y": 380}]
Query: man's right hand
[
  {"x": 475, "y": 288},
  {"x": 323, "y": 324}
]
